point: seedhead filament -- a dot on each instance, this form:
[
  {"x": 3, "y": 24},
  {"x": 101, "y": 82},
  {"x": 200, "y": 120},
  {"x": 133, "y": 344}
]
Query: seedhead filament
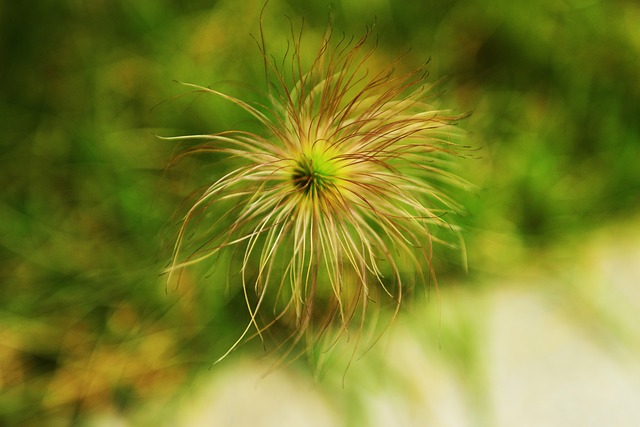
[{"x": 332, "y": 206}]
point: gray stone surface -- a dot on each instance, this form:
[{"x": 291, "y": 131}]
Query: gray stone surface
[{"x": 561, "y": 348}]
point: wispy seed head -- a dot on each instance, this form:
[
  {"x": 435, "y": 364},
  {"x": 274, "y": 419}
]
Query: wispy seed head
[{"x": 332, "y": 205}]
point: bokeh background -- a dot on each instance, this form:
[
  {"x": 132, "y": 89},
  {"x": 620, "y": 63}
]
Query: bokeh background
[{"x": 540, "y": 329}]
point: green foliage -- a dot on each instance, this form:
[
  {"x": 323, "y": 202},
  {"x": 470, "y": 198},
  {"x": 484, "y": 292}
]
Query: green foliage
[{"x": 87, "y": 207}]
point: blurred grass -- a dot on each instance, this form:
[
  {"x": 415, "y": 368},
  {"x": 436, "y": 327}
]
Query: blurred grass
[{"x": 86, "y": 213}]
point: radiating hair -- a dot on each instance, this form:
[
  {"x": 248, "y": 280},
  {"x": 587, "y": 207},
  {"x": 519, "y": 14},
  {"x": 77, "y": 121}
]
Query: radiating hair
[{"x": 330, "y": 208}]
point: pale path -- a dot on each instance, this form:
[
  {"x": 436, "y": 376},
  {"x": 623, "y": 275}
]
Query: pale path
[{"x": 561, "y": 348}]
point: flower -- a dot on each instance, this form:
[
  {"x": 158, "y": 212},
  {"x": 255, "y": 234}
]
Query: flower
[{"x": 331, "y": 207}]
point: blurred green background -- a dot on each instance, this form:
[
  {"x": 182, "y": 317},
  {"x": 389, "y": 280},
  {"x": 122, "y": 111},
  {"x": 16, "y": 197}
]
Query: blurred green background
[{"x": 87, "y": 208}]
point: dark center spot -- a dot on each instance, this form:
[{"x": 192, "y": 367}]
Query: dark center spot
[{"x": 306, "y": 178}]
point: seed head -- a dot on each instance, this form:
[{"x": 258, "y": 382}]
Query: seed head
[{"x": 332, "y": 205}]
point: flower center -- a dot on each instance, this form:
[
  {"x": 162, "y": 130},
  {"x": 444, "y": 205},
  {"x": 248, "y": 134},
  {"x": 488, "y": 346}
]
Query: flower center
[{"x": 315, "y": 170}]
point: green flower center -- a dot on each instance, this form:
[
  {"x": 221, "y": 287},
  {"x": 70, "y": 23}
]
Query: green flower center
[{"x": 315, "y": 171}]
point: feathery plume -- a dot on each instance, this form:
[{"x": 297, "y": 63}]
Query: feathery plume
[{"x": 331, "y": 207}]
